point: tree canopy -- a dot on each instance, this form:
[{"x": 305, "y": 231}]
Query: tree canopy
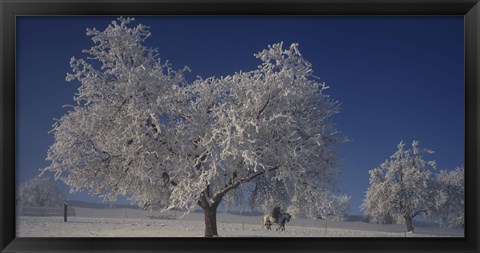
[{"x": 140, "y": 130}]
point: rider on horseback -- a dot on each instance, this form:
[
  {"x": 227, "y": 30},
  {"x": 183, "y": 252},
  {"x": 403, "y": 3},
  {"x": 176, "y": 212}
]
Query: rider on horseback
[
  {"x": 275, "y": 217},
  {"x": 275, "y": 214}
]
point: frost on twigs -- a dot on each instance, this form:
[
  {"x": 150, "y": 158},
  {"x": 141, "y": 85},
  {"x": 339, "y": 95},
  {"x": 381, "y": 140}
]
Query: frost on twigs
[{"x": 139, "y": 129}]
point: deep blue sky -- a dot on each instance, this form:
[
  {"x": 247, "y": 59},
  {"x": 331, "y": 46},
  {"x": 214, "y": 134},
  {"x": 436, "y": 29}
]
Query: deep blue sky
[{"x": 398, "y": 78}]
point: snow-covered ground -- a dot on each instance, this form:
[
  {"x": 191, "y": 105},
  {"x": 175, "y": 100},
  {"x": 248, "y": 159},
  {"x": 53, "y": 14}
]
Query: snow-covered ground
[{"x": 137, "y": 223}]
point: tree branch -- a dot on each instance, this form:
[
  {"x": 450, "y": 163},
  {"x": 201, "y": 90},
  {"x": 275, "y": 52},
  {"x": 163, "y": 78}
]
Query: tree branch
[
  {"x": 410, "y": 194},
  {"x": 264, "y": 107},
  {"x": 203, "y": 202},
  {"x": 219, "y": 195},
  {"x": 419, "y": 212}
]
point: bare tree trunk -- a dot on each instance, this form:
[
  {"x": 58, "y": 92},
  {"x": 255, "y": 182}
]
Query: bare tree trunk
[
  {"x": 210, "y": 213},
  {"x": 408, "y": 223},
  {"x": 210, "y": 221}
]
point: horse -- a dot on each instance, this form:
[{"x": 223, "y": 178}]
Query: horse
[
  {"x": 283, "y": 218},
  {"x": 268, "y": 221}
]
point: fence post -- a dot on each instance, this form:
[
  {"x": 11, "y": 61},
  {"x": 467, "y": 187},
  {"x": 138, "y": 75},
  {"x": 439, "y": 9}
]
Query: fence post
[{"x": 65, "y": 207}]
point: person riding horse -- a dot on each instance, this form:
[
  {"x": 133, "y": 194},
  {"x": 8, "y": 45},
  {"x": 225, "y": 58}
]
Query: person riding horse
[
  {"x": 268, "y": 220},
  {"x": 275, "y": 214}
]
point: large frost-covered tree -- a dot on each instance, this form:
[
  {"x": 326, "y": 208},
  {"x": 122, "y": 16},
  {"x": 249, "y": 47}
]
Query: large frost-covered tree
[
  {"x": 39, "y": 192},
  {"x": 140, "y": 130},
  {"x": 401, "y": 188},
  {"x": 450, "y": 198}
]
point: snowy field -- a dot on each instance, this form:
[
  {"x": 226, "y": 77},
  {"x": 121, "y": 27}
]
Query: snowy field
[{"x": 138, "y": 223}]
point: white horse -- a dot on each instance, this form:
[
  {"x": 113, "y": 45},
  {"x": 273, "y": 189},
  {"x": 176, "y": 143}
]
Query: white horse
[{"x": 268, "y": 221}]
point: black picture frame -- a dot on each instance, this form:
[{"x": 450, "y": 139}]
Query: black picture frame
[{"x": 9, "y": 9}]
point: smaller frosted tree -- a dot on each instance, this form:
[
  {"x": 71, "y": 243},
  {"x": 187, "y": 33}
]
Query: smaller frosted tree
[
  {"x": 401, "y": 188},
  {"x": 450, "y": 198},
  {"x": 39, "y": 192}
]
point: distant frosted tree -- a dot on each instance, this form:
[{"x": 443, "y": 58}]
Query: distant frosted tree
[
  {"x": 336, "y": 207},
  {"x": 140, "y": 130},
  {"x": 327, "y": 206},
  {"x": 401, "y": 187},
  {"x": 450, "y": 198},
  {"x": 39, "y": 192}
]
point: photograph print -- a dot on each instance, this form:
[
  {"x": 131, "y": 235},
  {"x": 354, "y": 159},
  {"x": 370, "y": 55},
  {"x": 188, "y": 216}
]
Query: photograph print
[{"x": 240, "y": 126}]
